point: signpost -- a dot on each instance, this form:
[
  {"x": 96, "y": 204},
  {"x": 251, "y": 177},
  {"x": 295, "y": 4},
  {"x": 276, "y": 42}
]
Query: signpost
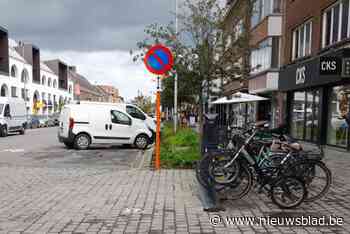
[{"x": 158, "y": 60}]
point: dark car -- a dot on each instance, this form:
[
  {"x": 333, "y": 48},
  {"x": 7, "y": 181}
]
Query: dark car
[
  {"x": 55, "y": 119},
  {"x": 33, "y": 122}
]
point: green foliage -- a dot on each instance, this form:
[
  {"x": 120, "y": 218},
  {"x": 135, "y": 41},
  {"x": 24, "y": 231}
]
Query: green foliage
[{"x": 179, "y": 150}]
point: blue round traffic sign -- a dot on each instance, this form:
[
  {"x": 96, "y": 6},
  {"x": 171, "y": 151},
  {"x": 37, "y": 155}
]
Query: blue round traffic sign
[{"x": 159, "y": 60}]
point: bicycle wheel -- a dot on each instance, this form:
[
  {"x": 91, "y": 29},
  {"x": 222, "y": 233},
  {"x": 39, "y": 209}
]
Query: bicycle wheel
[
  {"x": 237, "y": 188},
  {"x": 316, "y": 175},
  {"x": 217, "y": 171},
  {"x": 288, "y": 192}
]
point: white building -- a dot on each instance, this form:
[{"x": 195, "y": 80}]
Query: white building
[{"x": 44, "y": 91}]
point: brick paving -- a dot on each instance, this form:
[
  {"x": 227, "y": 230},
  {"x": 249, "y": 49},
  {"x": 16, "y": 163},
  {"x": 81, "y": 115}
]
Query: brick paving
[{"x": 96, "y": 200}]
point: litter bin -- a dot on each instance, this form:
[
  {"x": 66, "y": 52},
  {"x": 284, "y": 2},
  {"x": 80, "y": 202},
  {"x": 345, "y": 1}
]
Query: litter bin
[{"x": 214, "y": 134}]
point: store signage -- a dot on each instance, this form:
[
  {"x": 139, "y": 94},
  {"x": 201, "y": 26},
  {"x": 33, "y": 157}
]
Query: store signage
[
  {"x": 300, "y": 75},
  {"x": 346, "y": 67},
  {"x": 330, "y": 66}
]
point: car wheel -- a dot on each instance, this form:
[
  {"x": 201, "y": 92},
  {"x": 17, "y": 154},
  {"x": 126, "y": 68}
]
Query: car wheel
[
  {"x": 69, "y": 145},
  {"x": 22, "y": 131},
  {"x": 141, "y": 141},
  {"x": 3, "y": 131},
  {"x": 82, "y": 141}
]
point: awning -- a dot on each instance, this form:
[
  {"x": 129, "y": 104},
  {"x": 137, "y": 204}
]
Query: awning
[{"x": 240, "y": 98}]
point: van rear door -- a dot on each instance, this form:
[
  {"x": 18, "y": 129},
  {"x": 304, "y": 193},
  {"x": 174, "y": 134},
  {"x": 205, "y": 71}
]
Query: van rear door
[{"x": 64, "y": 122}]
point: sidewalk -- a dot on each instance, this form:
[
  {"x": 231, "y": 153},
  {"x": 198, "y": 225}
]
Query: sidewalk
[{"x": 57, "y": 200}]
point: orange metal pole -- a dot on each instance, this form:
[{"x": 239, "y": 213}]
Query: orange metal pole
[{"x": 158, "y": 129}]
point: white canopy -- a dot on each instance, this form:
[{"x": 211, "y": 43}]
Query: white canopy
[{"x": 240, "y": 98}]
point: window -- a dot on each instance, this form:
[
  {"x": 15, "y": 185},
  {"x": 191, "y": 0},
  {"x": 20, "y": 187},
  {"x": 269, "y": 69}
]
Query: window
[
  {"x": 14, "y": 71},
  {"x": 43, "y": 80},
  {"x": 265, "y": 56},
  {"x": 7, "y": 111},
  {"x": 70, "y": 89},
  {"x": 24, "y": 76},
  {"x": 305, "y": 114},
  {"x": 49, "y": 82},
  {"x": 302, "y": 37},
  {"x": 55, "y": 84},
  {"x": 335, "y": 23},
  {"x": 135, "y": 113},
  {"x": 338, "y": 106},
  {"x": 120, "y": 118},
  {"x": 263, "y": 8},
  {"x": 14, "y": 91},
  {"x": 1, "y": 107}
]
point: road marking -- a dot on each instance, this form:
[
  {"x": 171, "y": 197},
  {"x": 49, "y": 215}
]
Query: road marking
[{"x": 13, "y": 150}]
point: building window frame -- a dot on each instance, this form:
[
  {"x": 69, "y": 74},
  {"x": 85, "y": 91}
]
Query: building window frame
[
  {"x": 329, "y": 40},
  {"x": 299, "y": 38}
]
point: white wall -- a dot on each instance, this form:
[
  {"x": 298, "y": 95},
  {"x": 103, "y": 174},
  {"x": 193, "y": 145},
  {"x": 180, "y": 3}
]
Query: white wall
[{"x": 33, "y": 87}]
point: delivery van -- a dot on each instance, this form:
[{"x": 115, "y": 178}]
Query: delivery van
[
  {"x": 133, "y": 110},
  {"x": 12, "y": 116},
  {"x": 83, "y": 125}
]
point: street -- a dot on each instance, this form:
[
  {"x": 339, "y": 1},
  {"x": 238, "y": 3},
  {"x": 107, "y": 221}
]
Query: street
[{"x": 40, "y": 148}]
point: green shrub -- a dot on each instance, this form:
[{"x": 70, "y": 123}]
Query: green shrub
[{"x": 179, "y": 150}]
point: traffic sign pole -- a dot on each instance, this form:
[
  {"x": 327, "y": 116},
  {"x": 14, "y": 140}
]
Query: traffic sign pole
[
  {"x": 158, "y": 60},
  {"x": 157, "y": 163}
]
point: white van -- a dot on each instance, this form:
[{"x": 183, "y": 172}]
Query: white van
[
  {"x": 133, "y": 110},
  {"x": 12, "y": 116},
  {"x": 83, "y": 125}
]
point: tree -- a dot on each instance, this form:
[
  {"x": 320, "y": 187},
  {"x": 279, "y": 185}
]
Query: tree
[
  {"x": 144, "y": 102},
  {"x": 201, "y": 49}
]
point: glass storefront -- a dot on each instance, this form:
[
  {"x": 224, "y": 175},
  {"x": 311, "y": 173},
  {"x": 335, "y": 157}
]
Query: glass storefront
[
  {"x": 305, "y": 117},
  {"x": 338, "y": 107}
]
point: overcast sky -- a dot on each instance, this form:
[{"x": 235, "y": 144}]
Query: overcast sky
[{"x": 94, "y": 35}]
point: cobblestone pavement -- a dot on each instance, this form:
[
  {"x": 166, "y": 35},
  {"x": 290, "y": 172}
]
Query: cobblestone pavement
[{"x": 79, "y": 197}]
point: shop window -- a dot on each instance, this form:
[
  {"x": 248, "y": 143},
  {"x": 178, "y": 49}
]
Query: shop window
[
  {"x": 338, "y": 108},
  {"x": 335, "y": 23},
  {"x": 302, "y": 37},
  {"x": 305, "y": 115}
]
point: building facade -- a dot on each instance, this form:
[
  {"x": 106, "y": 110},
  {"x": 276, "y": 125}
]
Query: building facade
[
  {"x": 23, "y": 75},
  {"x": 317, "y": 70},
  {"x": 112, "y": 92},
  {"x": 266, "y": 28}
]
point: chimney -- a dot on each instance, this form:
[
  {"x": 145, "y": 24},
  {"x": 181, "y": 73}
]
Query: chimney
[{"x": 73, "y": 69}]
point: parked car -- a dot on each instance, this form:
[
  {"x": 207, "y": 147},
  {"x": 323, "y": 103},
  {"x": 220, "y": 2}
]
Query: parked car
[
  {"x": 33, "y": 122},
  {"x": 42, "y": 121},
  {"x": 83, "y": 125},
  {"x": 12, "y": 116},
  {"x": 50, "y": 122},
  {"x": 55, "y": 118}
]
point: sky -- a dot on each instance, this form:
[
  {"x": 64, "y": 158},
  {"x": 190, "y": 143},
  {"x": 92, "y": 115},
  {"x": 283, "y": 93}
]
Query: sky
[{"x": 94, "y": 35}]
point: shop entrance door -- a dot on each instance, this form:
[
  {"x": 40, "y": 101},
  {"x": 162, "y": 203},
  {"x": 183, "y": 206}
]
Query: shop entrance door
[{"x": 305, "y": 115}]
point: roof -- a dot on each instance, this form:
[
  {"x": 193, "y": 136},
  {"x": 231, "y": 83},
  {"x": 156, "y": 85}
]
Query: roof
[
  {"x": 85, "y": 85},
  {"x": 44, "y": 67},
  {"x": 14, "y": 54}
]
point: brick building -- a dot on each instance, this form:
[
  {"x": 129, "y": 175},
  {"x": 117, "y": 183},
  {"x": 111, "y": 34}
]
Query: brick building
[
  {"x": 262, "y": 23},
  {"x": 316, "y": 70},
  {"x": 112, "y": 92}
]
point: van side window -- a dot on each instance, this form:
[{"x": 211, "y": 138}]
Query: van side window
[
  {"x": 135, "y": 113},
  {"x": 118, "y": 117},
  {"x": 7, "y": 112}
]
